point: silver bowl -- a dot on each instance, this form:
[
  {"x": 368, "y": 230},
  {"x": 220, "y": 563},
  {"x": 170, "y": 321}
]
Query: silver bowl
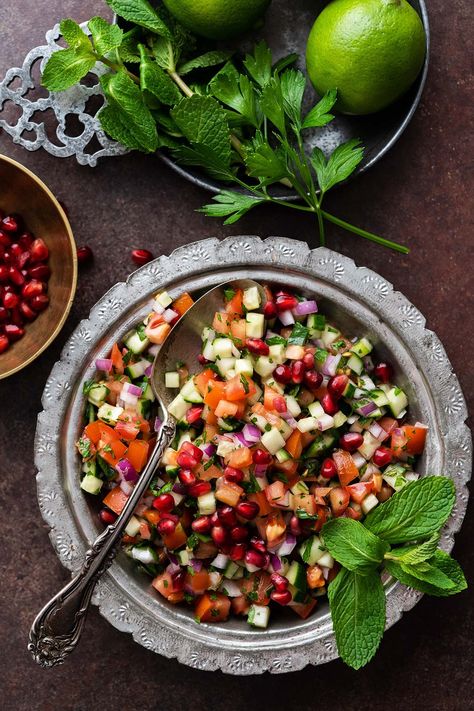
[{"x": 361, "y": 301}]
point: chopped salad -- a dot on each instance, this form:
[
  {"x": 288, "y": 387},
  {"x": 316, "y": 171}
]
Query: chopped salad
[{"x": 287, "y": 423}]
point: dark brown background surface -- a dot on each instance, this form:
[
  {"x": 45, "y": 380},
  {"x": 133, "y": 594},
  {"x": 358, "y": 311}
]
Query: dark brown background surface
[{"x": 419, "y": 194}]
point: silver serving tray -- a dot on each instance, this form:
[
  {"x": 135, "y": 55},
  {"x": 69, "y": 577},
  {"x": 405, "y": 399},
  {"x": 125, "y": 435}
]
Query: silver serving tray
[{"x": 361, "y": 301}]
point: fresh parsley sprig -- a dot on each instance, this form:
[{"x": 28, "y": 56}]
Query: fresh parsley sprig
[
  {"x": 244, "y": 126},
  {"x": 414, "y": 515}
]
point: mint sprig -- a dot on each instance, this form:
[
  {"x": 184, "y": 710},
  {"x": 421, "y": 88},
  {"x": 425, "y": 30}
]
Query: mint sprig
[
  {"x": 258, "y": 102},
  {"x": 415, "y": 514}
]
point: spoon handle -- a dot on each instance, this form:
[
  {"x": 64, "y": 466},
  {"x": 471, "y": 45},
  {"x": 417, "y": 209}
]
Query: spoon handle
[{"x": 58, "y": 627}]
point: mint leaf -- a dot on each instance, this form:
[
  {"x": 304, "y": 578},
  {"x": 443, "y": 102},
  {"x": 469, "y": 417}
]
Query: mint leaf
[
  {"x": 128, "y": 50},
  {"x": 209, "y": 59},
  {"x": 319, "y": 114},
  {"x": 155, "y": 80},
  {"x": 341, "y": 163},
  {"x": 415, "y": 554},
  {"x": 350, "y": 543},
  {"x": 417, "y": 511},
  {"x": 293, "y": 84},
  {"x": 201, "y": 155},
  {"x": 259, "y": 64},
  {"x": 428, "y": 573},
  {"x": 203, "y": 121},
  {"x": 67, "y": 67},
  {"x": 231, "y": 205},
  {"x": 123, "y": 94},
  {"x": 140, "y": 12},
  {"x": 444, "y": 563},
  {"x": 115, "y": 124},
  {"x": 106, "y": 37},
  {"x": 358, "y": 615},
  {"x": 73, "y": 34}
]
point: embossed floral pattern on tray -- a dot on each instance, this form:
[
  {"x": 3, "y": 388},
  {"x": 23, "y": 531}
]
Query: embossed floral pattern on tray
[{"x": 166, "y": 631}]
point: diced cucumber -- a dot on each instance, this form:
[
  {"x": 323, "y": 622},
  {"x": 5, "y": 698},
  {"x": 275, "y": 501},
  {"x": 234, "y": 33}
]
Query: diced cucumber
[
  {"x": 163, "y": 299},
  {"x": 208, "y": 334},
  {"x": 264, "y": 365},
  {"x": 258, "y": 616},
  {"x": 397, "y": 401},
  {"x": 292, "y": 405},
  {"x": 396, "y": 482},
  {"x": 148, "y": 393},
  {"x": 320, "y": 445},
  {"x": 109, "y": 413},
  {"x": 172, "y": 379},
  {"x": 326, "y": 560},
  {"x": 90, "y": 467},
  {"x": 284, "y": 429},
  {"x": 369, "y": 445},
  {"x": 190, "y": 393},
  {"x": 244, "y": 366},
  {"x": 143, "y": 407},
  {"x": 355, "y": 363},
  {"x": 171, "y": 469},
  {"x": 92, "y": 484},
  {"x": 329, "y": 335},
  {"x": 315, "y": 409},
  {"x": 222, "y": 347},
  {"x": 179, "y": 407},
  {"x": 349, "y": 390},
  {"x": 259, "y": 421},
  {"x": 366, "y": 383},
  {"x": 369, "y": 503},
  {"x": 208, "y": 351},
  {"x": 297, "y": 595},
  {"x": 256, "y": 396},
  {"x": 277, "y": 352},
  {"x": 230, "y": 588},
  {"x": 135, "y": 342},
  {"x": 136, "y": 370},
  {"x": 272, "y": 383},
  {"x": 379, "y": 397},
  {"x": 251, "y": 298},
  {"x": 307, "y": 424},
  {"x": 183, "y": 556},
  {"x": 339, "y": 419},
  {"x": 132, "y": 527},
  {"x": 282, "y": 456},
  {"x": 299, "y": 488},
  {"x": 97, "y": 394},
  {"x": 273, "y": 440},
  {"x": 255, "y": 325},
  {"x": 206, "y": 503},
  {"x": 312, "y": 550},
  {"x": 297, "y": 575},
  {"x": 231, "y": 569},
  {"x": 224, "y": 365},
  {"x": 362, "y": 348},
  {"x": 144, "y": 554},
  {"x": 316, "y": 324}
]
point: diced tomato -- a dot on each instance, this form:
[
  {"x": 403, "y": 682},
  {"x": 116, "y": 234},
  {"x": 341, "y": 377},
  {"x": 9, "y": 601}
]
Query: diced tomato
[
  {"x": 262, "y": 501},
  {"x": 228, "y": 492},
  {"x": 240, "y": 458},
  {"x": 198, "y": 581},
  {"x": 314, "y": 577},
  {"x": 157, "y": 332},
  {"x": 408, "y": 440},
  {"x": 127, "y": 430},
  {"x": 240, "y": 605},
  {"x": 117, "y": 359},
  {"x": 115, "y": 500},
  {"x": 226, "y": 409},
  {"x": 377, "y": 481},
  {"x": 115, "y": 388},
  {"x": 137, "y": 454},
  {"x": 212, "y": 607},
  {"x": 294, "y": 444},
  {"x": 206, "y": 474},
  {"x": 209, "y": 416},
  {"x": 145, "y": 531},
  {"x": 164, "y": 584},
  {"x": 215, "y": 393},
  {"x": 277, "y": 494},
  {"x": 210, "y": 431},
  {"x": 237, "y": 331},
  {"x": 176, "y": 539},
  {"x": 152, "y": 516},
  {"x": 202, "y": 379},
  {"x": 98, "y": 430},
  {"x": 221, "y": 322},
  {"x": 132, "y": 417},
  {"x": 257, "y": 587},
  {"x": 388, "y": 424},
  {"x": 269, "y": 397},
  {"x": 345, "y": 465},
  {"x": 339, "y": 499},
  {"x": 235, "y": 304},
  {"x": 352, "y": 513},
  {"x": 275, "y": 527},
  {"x": 240, "y": 387},
  {"x": 322, "y": 512},
  {"x": 289, "y": 468},
  {"x": 304, "y": 502},
  {"x": 112, "y": 451},
  {"x": 183, "y": 303},
  {"x": 359, "y": 491},
  {"x": 304, "y": 609}
]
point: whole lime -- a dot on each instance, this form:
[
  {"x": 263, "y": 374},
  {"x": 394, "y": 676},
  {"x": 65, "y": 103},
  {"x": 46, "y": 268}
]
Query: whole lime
[
  {"x": 371, "y": 51},
  {"x": 218, "y": 19}
]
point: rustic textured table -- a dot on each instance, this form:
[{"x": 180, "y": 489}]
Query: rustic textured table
[{"x": 419, "y": 194}]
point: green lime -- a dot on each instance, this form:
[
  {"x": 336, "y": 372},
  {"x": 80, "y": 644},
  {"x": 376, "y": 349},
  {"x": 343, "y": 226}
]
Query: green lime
[
  {"x": 371, "y": 51},
  {"x": 218, "y": 19}
]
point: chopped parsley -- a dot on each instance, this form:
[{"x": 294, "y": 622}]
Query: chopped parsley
[
  {"x": 301, "y": 513},
  {"x": 245, "y": 383},
  {"x": 276, "y": 341},
  {"x": 321, "y": 355},
  {"x": 141, "y": 332},
  {"x": 229, "y": 294},
  {"x": 87, "y": 386},
  {"x": 299, "y": 335}
]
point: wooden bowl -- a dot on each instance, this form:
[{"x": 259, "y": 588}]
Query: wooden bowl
[{"x": 24, "y": 193}]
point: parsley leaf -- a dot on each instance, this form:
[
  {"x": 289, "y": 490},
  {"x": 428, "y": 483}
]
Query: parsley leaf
[
  {"x": 319, "y": 114},
  {"x": 231, "y": 205},
  {"x": 339, "y": 166}
]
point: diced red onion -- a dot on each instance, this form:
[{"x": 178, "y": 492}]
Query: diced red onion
[
  {"x": 220, "y": 561},
  {"x": 330, "y": 364},
  {"x": 251, "y": 433},
  {"x": 366, "y": 409},
  {"x": 303, "y": 308},
  {"x": 288, "y": 417},
  {"x": 359, "y": 460},
  {"x": 235, "y": 351},
  {"x": 239, "y": 438},
  {"x": 325, "y": 572},
  {"x": 169, "y": 315},
  {"x": 129, "y": 400},
  {"x": 149, "y": 370},
  {"x": 154, "y": 349},
  {"x": 179, "y": 488},
  {"x": 317, "y": 342},
  {"x": 158, "y": 424},
  {"x": 157, "y": 307},
  {"x": 130, "y": 389},
  {"x": 286, "y": 318},
  {"x": 352, "y": 419},
  {"x": 104, "y": 364},
  {"x": 378, "y": 432},
  {"x": 173, "y": 567},
  {"x": 208, "y": 449},
  {"x": 325, "y": 422},
  {"x": 197, "y": 564},
  {"x": 368, "y": 364},
  {"x": 276, "y": 562},
  {"x": 126, "y": 470},
  {"x": 232, "y": 588},
  {"x": 260, "y": 469},
  {"x": 126, "y": 487},
  {"x": 288, "y": 545},
  {"x": 412, "y": 476}
]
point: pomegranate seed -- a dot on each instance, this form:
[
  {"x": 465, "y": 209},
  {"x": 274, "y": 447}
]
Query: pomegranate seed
[
  {"x": 141, "y": 256},
  {"x": 39, "y": 251},
  {"x": 248, "y": 509},
  {"x": 239, "y": 534},
  {"x": 84, "y": 254},
  {"x": 163, "y": 502},
  {"x": 219, "y": 535},
  {"x": 201, "y": 524},
  {"x": 25, "y": 240},
  {"x": 295, "y": 526},
  {"x": 253, "y": 557},
  {"x": 237, "y": 552},
  {"x": 383, "y": 372},
  {"x": 308, "y": 360},
  {"x": 269, "y": 310},
  {"x": 4, "y": 343},
  {"x": 200, "y": 488},
  {"x": 171, "y": 517},
  {"x": 297, "y": 371},
  {"x": 258, "y": 544},
  {"x": 234, "y": 475},
  {"x": 215, "y": 518},
  {"x": 16, "y": 251},
  {"x": 16, "y": 277},
  {"x": 350, "y": 441},
  {"x": 10, "y": 300},
  {"x": 282, "y": 374},
  {"x": 8, "y": 258},
  {"x": 194, "y": 414},
  {"x": 3, "y": 313},
  {"x": 3, "y": 273},
  {"x": 328, "y": 469},
  {"x": 191, "y": 449},
  {"x": 382, "y": 456},
  {"x": 337, "y": 385},
  {"x": 187, "y": 477},
  {"x": 23, "y": 259},
  {"x": 107, "y": 517},
  {"x": 10, "y": 224},
  {"x": 5, "y": 240},
  {"x": 282, "y": 598},
  {"x": 202, "y": 360},
  {"x": 33, "y": 288},
  {"x": 279, "y": 582},
  {"x": 285, "y": 302},
  {"x": 279, "y": 404},
  {"x": 16, "y": 316},
  {"x": 40, "y": 302},
  {"x": 260, "y": 456},
  {"x": 313, "y": 379},
  {"x": 227, "y": 516},
  {"x": 27, "y": 311},
  {"x": 166, "y": 526},
  {"x": 329, "y": 405},
  {"x": 186, "y": 460},
  {"x": 13, "y": 332},
  {"x": 178, "y": 580},
  {"x": 41, "y": 272},
  {"x": 257, "y": 346}
]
